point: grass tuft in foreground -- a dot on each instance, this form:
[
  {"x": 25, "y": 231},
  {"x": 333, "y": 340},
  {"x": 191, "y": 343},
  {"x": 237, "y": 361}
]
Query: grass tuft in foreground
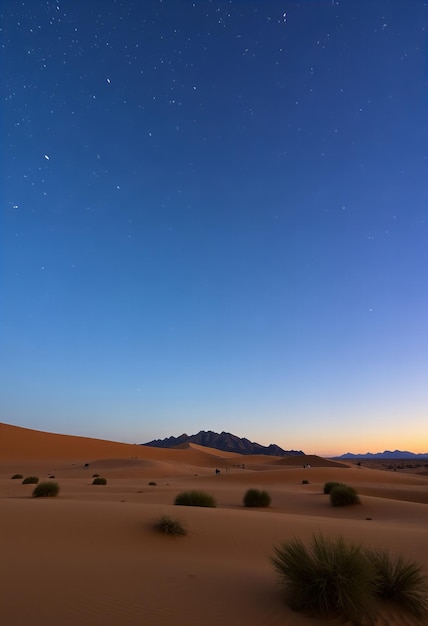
[
  {"x": 331, "y": 577},
  {"x": 401, "y": 581},
  {"x": 256, "y": 498},
  {"x": 99, "y": 480},
  {"x": 48, "y": 489},
  {"x": 30, "y": 480},
  {"x": 170, "y": 526},
  {"x": 327, "y": 577},
  {"x": 195, "y": 498}
]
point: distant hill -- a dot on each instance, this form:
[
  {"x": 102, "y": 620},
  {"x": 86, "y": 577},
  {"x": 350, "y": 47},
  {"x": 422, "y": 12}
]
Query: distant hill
[
  {"x": 223, "y": 441},
  {"x": 387, "y": 454}
]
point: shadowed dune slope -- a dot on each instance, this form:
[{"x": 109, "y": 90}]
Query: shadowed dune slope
[
  {"x": 213, "y": 451},
  {"x": 309, "y": 459}
]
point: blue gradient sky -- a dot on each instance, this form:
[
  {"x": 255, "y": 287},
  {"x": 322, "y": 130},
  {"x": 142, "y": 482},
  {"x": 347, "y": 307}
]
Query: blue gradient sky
[{"x": 214, "y": 217}]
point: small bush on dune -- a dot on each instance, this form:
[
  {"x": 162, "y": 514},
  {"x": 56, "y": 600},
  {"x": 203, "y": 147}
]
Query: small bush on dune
[
  {"x": 30, "y": 480},
  {"x": 15, "y": 476},
  {"x": 401, "y": 581},
  {"x": 152, "y": 483},
  {"x": 343, "y": 495},
  {"x": 170, "y": 526},
  {"x": 195, "y": 498},
  {"x": 46, "y": 490},
  {"x": 305, "y": 482},
  {"x": 327, "y": 577},
  {"x": 98, "y": 480},
  {"x": 95, "y": 475},
  {"x": 330, "y": 485},
  {"x": 256, "y": 498}
]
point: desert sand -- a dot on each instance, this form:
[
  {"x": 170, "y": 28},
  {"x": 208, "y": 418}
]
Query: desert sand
[{"x": 90, "y": 557}]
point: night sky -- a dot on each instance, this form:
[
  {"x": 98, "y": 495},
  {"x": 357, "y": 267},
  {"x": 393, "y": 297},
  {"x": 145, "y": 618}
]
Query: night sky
[{"x": 214, "y": 216}]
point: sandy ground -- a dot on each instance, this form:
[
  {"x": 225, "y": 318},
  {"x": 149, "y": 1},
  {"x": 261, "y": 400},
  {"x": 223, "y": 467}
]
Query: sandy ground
[{"x": 90, "y": 557}]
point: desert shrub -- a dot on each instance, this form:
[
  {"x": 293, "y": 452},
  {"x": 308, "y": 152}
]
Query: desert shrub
[
  {"x": 152, "y": 483},
  {"x": 256, "y": 497},
  {"x": 170, "y": 526},
  {"x": 48, "y": 489},
  {"x": 98, "y": 480},
  {"x": 344, "y": 495},
  {"x": 95, "y": 475},
  {"x": 15, "y": 476},
  {"x": 305, "y": 482},
  {"x": 327, "y": 577},
  {"x": 401, "y": 581},
  {"x": 330, "y": 485},
  {"x": 30, "y": 480},
  {"x": 195, "y": 498}
]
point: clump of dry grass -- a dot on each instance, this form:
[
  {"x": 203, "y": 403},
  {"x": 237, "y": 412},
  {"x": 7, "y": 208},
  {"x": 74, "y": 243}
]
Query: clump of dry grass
[
  {"x": 30, "y": 480},
  {"x": 332, "y": 577},
  {"x": 195, "y": 498},
  {"x": 328, "y": 576},
  {"x": 256, "y": 498},
  {"x": 99, "y": 480},
  {"x": 170, "y": 526},
  {"x": 328, "y": 486},
  {"x": 344, "y": 495},
  {"x": 402, "y": 581},
  {"x": 48, "y": 489}
]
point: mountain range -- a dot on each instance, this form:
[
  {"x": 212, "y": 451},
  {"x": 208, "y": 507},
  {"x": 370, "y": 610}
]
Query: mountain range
[
  {"x": 222, "y": 441},
  {"x": 387, "y": 454}
]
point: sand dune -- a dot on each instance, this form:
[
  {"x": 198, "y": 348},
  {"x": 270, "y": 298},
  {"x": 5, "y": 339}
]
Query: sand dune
[
  {"x": 309, "y": 459},
  {"x": 91, "y": 557}
]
